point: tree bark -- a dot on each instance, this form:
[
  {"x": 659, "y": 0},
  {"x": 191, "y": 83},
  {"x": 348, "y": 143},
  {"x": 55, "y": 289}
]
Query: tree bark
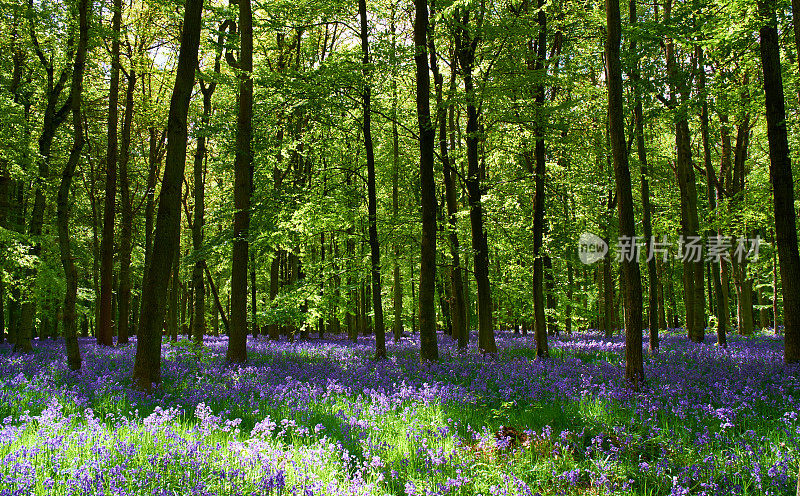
[
  {"x": 63, "y": 204},
  {"x": 147, "y": 366},
  {"x": 456, "y": 306},
  {"x": 54, "y": 116},
  {"x": 198, "y": 225},
  {"x": 105, "y": 325},
  {"x": 466, "y": 44},
  {"x": 372, "y": 201},
  {"x": 126, "y": 224},
  {"x": 237, "y": 345},
  {"x": 782, "y": 182},
  {"x": 429, "y": 348},
  {"x": 647, "y": 223},
  {"x": 631, "y": 282}
]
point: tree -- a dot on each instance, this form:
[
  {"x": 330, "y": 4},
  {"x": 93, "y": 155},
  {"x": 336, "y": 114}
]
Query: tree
[
  {"x": 237, "y": 346},
  {"x": 63, "y": 203},
  {"x": 374, "y": 246},
  {"x": 631, "y": 282},
  {"x": 780, "y": 170},
  {"x": 457, "y": 307},
  {"x": 105, "y": 325},
  {"x": 147, "y": 364},
  {"x": 467, "y": 39},
  {"x": 429, "y": 350}
]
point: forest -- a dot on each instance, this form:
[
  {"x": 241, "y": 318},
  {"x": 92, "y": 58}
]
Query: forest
[{"x": 384, "y": 247}]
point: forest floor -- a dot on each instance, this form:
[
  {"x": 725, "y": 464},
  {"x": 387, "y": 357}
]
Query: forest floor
[{"x": 322, "y": 417}]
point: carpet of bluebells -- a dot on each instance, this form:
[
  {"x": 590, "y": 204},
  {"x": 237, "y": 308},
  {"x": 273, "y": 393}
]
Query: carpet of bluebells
[{"x": 321, "y": 417}]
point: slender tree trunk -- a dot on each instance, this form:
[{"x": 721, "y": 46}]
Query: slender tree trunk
[
  {"x": 647, "y": 223},
  {"x": 782, "y": 182},
  {"x": 105, "y": 325},
  {"x": 716, "y": 271},
  {"x": 174, "y": 298},
  {"x": 198, "y": 226},
  {"x": 372, "y": 201},
  {"x": 397, "y": 281},
  {"x": 429, "y": 349},
  {"x": 466, "y": 44},
  {"x": 774, "y": 289},
  {"x": 147, "y": 366},
  {"x": 694, "y": 289},
  {"x": 237, "y": 347},
  {"x": 126, "y": 224},
  {"x": 456, "y": 306},
  {"x": 63, "y": 203},
  {"x": 54, "y": 115},
  {"x": 631, "y": 281}
]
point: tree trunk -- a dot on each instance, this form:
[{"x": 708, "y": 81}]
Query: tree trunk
[
  {"x": 199, "y": 224},
  {"x": 694, "y": 289},
  {"x": 53, "y": 117},
  {"x": 237, "y": 346},
  {"x": 466, "y": 44},
  {"x": 105, "y": 325},
  {"x": 372, "y": 201},
  {"x": 716, "y": 269},
  {"x": 63, "y": 203},
  {"x": 147, "y": 366},
  {"x": 429, "y": 349},
  {"x": 631, "y": 282},
  {"x": 126, "y": 227},
  {"x": 782, "y": 182},
  {"x": 647, "y": 223}
]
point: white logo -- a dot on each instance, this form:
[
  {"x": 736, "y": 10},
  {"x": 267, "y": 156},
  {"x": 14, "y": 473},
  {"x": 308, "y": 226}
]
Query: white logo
[{"x": 591, "y": 248}]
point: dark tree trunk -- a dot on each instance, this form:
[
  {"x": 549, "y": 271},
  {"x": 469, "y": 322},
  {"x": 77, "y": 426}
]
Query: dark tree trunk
[
  {"x": 647, "y": 223},
  {"x": 722, "y": 324},
  {"x": 631, "y": 282},
  {"x": 147, "y": 366},
  {"x": 456, "y": 307},
  {"x": 466, "y": 44},
  {"x": 429, "y": 348},
  {"x": 782, "y": 182},
  {"x": 54, "y": 115},
  {"x": 397, "y": 280},
  {"x": 372, "y": 201},
  {"x": 105, "y": 329},
  {"x": 253, "y": 296},
  {"x": 237, "y": 346},
  {"x": 63, "y": 203},
  {"x": 173, "y": 310},
  {"x": 126, "y": 224},
  {"x": 198, "y": 226}
]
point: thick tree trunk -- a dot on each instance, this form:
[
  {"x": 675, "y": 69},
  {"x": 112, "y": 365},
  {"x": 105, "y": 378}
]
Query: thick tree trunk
[
  {"x": 147, "y": 366},
  {"x": 63, "y": 203},
  {"x": 105, "y": 325},
  {"x": 237, "y": 346},
  {"x": 782, "y": 182},
  {"x": 631, "y": 282},
  {"x": 429, "y": 349}
]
